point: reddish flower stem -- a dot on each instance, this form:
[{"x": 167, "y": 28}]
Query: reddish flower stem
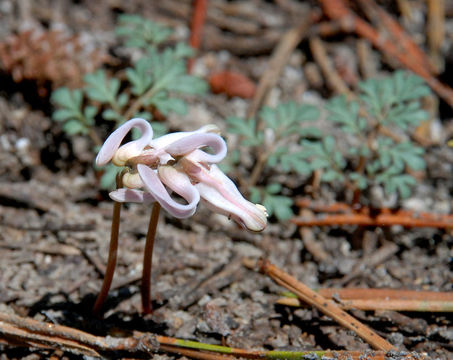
[
  {"x": 111, "y": 262},
  {"x": 148, "y": 259}
]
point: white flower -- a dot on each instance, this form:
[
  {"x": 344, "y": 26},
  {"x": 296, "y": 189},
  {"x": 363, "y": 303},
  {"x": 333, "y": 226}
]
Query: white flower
[{"x": 177, "y": 161}]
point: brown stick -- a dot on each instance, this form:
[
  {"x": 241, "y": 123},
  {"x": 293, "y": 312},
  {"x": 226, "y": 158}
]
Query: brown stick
[
  {"x": 333, "y": 79},
  {"x": 390, "y": 294},
  {"x": 385, "y": 299},
  {"x": 279, "y": 58},
  {"x": 404, "y": 41},
  {"x": 148, "y": 259},
  {"x": 111, "y": 262},
  {"x": 355, "y": 215},
  {"x": 16, "y": 331},
  {"x": 436, "y": 30},
  {"x": 435, "y": 221},
  {"x": 194, "y": 354},
  {"x": 326, "y": 306}
]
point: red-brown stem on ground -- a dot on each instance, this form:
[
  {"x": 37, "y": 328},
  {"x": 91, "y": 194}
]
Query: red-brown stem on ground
[
  {"x": 338, "y": 10},
  {"x": 196, "y": 27},
  {"x": 326, "y": 306}
]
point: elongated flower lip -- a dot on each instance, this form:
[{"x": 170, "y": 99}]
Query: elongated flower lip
[
  {"x": 221, "y": 195},
  {"x": 111, "y": 149},
  {"x": 252, "y": 217},
  {"x": 154, "y": 186}
]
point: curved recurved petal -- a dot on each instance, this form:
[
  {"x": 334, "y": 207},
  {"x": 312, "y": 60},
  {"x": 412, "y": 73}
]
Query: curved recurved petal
[
  {"x": 131, "y": 195},
  {"x": 154, "y": 186},
  {"x": 221, "y": 195},
  {"x": 180, "y": 183},
  {"x": 196, "y": 141},
  {"x": 111, "y": 148},
  {"x": 182, "y": 143},
  {"x": 166, "y": 140}
]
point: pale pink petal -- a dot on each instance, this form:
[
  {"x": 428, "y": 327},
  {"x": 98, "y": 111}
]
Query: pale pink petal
[
  {"x": 194, "y": 142},
  {"x": 165, "y": 140},
  {"x": 131, "y": 195},
  {"x": 154, "y": 186},
  {"x": 179, "y": 182},
  {"x": 111, "y": 148},
  {"x": 222, "y": 196},
  {"x": 182, "y": 143}
]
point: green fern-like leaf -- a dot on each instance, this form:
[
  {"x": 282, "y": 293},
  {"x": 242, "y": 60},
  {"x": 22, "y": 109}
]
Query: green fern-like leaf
[
  {"x": 99, "y": 88},
  {"x": 245, "y": 128},
  {"x": 141, "y": 33},
  {"x": 395, "y": 99},
  {"x": 75, "y": 119},
  {"x": 346, "y": 114},
  {"x": 286, "y": 119}
]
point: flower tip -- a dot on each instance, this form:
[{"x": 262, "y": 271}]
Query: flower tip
[
  {"x": 210, "y": 128},
  {"x": 101, "y": 160},
  {"x": 262, "y": 208},
  {"x": 258, "y": 222}
]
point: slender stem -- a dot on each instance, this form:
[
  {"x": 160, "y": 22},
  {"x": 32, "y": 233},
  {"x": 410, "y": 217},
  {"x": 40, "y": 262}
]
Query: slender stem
[
  {"x": 258, "y": 169},
  {"x": 111, "y": 263},
  {"x": 137, "y": 104},
  {"x": 113, "y": 250},
  {"x": 95, "y": 137},
  {"x": 148, "y": 259}
]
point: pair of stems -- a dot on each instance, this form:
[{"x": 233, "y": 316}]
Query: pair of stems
[{"x": 113, "y": 251}]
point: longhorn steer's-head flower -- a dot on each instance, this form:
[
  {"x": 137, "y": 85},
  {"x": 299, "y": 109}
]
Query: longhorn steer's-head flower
[{"x": 178, "y": 162}]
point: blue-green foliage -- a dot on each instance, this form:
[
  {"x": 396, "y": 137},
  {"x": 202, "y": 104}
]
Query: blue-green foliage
[
  {"x": 391, "y": 104},
  {"x": 286, "y": 123},
  {"x": 156, "y": 80},
  {"x": 141, "y": 33}
]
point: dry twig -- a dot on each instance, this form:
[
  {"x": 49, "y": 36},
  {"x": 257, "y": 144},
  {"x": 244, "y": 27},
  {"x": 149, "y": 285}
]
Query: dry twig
[
  {"x": 384, "y": 299},
  {"x": 326, "y": 306},
  {"x": 364, "y": 216},
  {"x": 18, "y": 331},
  {"x": 278, "y": 60},
  {"x": 333, "y": 79}
]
